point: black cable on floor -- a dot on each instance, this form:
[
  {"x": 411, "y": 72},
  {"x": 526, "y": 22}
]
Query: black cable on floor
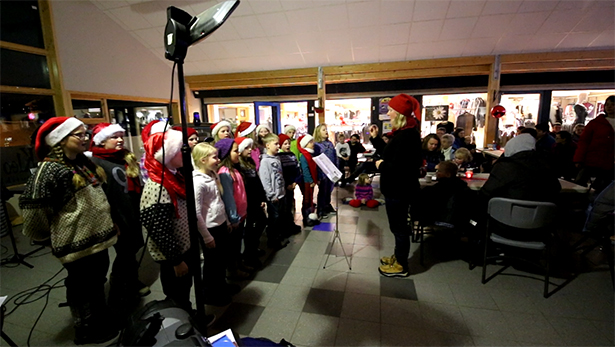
[{"x": 23, "y": 297}]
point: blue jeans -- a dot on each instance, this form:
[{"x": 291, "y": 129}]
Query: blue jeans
[{"x": 397, "y": 213}]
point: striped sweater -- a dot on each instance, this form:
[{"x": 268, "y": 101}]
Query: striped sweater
[{"x": 363, "y": 192}]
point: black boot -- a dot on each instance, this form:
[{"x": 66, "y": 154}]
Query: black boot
[{"x": 90, "y": 327}]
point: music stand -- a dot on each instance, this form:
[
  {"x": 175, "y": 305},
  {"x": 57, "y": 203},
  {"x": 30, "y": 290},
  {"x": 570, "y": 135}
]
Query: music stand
[
  {"x": 17, "y": 258},
  {"x": 334, "y": 175}
]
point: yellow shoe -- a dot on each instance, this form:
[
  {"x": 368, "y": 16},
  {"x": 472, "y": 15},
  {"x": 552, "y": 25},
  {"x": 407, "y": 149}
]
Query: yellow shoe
[
  {"x": 393, "y": 270},
  {"x": 388, "y": 260}
]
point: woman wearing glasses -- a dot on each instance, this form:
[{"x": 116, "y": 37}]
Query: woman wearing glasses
[{"x": 64, "y": 203}]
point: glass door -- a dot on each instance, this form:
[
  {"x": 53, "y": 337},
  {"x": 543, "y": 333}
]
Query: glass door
[{"x": 268, "y": 113}]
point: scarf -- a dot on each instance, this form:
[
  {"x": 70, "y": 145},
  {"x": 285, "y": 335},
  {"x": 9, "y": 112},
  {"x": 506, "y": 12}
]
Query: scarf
[
  {"x": 310, "y": 161},
  {"x": 118, "y": 156},
  {"x": 173, "y": 183}
]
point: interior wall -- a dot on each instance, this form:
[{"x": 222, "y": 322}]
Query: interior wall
[{"x": 96, "y": 55}]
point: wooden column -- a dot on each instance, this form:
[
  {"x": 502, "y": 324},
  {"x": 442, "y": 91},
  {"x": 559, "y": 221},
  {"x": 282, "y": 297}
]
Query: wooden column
[
  {"x": 493, "y": 98},
  {"x": 322, "y": 95},
  {"x": 61, "y": 99}
]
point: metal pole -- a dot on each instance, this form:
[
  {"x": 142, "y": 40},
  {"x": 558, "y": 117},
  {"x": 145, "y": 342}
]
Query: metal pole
[{"x": 195, "y": 236}]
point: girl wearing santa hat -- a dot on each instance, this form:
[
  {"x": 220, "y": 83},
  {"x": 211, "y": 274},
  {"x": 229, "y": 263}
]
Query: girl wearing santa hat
[
  {"x": 64, "y": 202},
  {"x": 399, "y": 180},
  {"x": 261, "y": 131},
  {"x": 123, "y": 190},
  {"x": 222, "y": 130},
  {"x": 164, "y": 216},
  {"x": 248, "y": 130},
  {"x": 193, "y": 135}
]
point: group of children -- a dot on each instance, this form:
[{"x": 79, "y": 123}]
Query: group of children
[{"x": 243, "y": 185}]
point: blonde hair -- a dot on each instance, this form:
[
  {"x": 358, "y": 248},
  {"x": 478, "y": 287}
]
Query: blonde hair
[
  {"x": 363, "y": 179},
  {"x": 132, "y": 165},
  {"x": 271, "y": 137},
  {"x": 200, "y": 151},
  {"x": 464, "y": 154},
  {"x": 317, "y": 137},
  {"x": 399, "y": 121}
]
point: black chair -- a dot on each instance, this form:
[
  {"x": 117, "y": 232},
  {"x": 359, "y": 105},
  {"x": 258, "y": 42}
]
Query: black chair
[{"x": 521, "y": 221}]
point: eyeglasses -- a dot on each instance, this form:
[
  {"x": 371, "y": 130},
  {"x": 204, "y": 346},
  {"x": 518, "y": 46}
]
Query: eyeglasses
[{"x": 81, "y": 136}]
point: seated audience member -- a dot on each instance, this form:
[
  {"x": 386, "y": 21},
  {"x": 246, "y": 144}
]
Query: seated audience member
[
  {"x": 463, "y": 159},
  {"x": 342, "y": 149},
  {"x": 447, "y": 146},
  {"x": 477, "y": 158},
  {"x": 448, "y": 126},
  {"x": 555, "y": 128},
  {"x": 355, "y": 148},
  {"x": 386, "y": 138},
  {"x": 563, "y": 154},
  {"x": 446, "y": 201},
  {"x": 522, "y": 173},
  {"x": 364, "y": 193},
  {"x": 460, "y": 140},
  {"x": 576, "y": 132},
  {"x": 600, "y": 212},
  {"x": 530, "y": 131},
  {"x": 441, "y": 130},
  {"x": 378, "y": 142},
  {"x": 520, "y": 130},
  {"x": 544, "y": 140},
  {"x": 431, "y": 152}
]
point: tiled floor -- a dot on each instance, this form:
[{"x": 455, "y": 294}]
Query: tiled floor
[{"x": 295, "y": 298}]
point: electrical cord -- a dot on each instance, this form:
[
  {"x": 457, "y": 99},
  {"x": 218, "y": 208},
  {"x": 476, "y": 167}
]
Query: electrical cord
[{"x": 25, "y": 298}]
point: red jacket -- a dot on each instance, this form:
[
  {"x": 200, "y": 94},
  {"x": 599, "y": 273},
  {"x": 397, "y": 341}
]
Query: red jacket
[{"x": 596, "y": 145}]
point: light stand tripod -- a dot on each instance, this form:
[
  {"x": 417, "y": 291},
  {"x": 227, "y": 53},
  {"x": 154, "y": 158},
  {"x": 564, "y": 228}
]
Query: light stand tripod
[{"x": 336, "y": 232}]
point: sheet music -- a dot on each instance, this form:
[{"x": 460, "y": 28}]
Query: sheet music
[{"x": 328, "y": 168}]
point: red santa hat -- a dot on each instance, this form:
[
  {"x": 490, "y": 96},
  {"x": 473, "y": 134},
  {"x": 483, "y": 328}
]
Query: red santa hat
[
  {"x": 243, "y": 143},
  {"x": 245, "y": 128},
  {"x": 172, "y": 140},
  {"x": 191, "y": 131},
  {"x": 221, "y": 124},
  {"x": 283, "y": 138},
  {"x": 103, "y": 131},
  {"x": 52, "y": 132},
  {"x": 407, "y": 106}
]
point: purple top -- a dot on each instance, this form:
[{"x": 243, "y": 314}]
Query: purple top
[{"x": 363, "y": 192}]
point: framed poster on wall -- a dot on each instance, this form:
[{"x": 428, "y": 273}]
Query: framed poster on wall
[{"x": 436, "y": 113}]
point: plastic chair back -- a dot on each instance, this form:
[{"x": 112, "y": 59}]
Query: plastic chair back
[{"x": 522, "y": 214}]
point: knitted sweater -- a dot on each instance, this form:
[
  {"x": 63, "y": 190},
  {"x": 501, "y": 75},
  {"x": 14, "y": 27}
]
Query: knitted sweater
[
  {"x": 291, "y": 168},
  {"x": 210, "y": 211},
  {"x": 78, "y": 221},
  {"x": 364, "y": 192},
  {"x": 169, "y": 236}
]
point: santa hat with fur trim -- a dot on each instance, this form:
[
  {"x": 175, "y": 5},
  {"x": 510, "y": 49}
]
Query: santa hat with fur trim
[
  {"x": 172, "y": 145},
  {"x": 305, "y": 140},
  {"x": 103, "y": 131},
  {"x": 52, "y": 132},
  {"x": 260, "y": 127},
  {"x": 406, "y": 105},
  {"x": 243, "y": 143},
  {"x": 191, "y": 131},
  {"x": 216, "y": 127},
  {"x": 245, "y": 128},
  {"x": 289, "y": 127}
]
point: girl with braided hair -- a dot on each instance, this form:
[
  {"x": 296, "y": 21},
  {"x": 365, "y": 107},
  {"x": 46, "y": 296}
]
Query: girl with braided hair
[{"x": 64, "y": 202}]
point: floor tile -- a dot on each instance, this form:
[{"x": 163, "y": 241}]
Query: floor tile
[
  {"x": 495, "y": 341},
  {"x": 449, "y": 339},
  {"x": 513, "y": 301},
  {"x": 321, "y": 236},
  {"x": 363, "y": 307},
  {"x": 606, "y": 328},
  {"x": 366, "y": 251},
  {"x": 364, "y": 284},
  {"x": 483, "y": 322},
  {"x": 347, "y": 228},
  {"x": 315, "y": 330},
  {"x": 335, "y": 249},
  {"x": 365, "y": 266},
  {"x": 239, "y": 317},
  {"x": 299, "y": 276},
  {"x": 353, "y": 332},
  {"x": 370, "y": 239},
  {"x": 347, "y": 220},
  {"x": 399, "y": 288},
  {"x": 324, "y": 302},
  {"x": 276, "y": 324},
  {"x": 272, "y": 273},
  {"x": 256, "y": 293},
  {"x": 446, "y": 318},
  {"x": 436, "y": 292},
  {"x": 289, "y": 297},
  {"x": 579, "y": 332},
  {"x": 532, "y": 328},
  {"x": 318, "y": 247},
  {"x": 395, "y": 335},
  {"x": 402, "y": 312},
  {"x": 472, "y": 296},
  {"x": 365, "y": 208},
  {"x": 308, "y": 260},
  {"x": 331, "y": 280}
]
